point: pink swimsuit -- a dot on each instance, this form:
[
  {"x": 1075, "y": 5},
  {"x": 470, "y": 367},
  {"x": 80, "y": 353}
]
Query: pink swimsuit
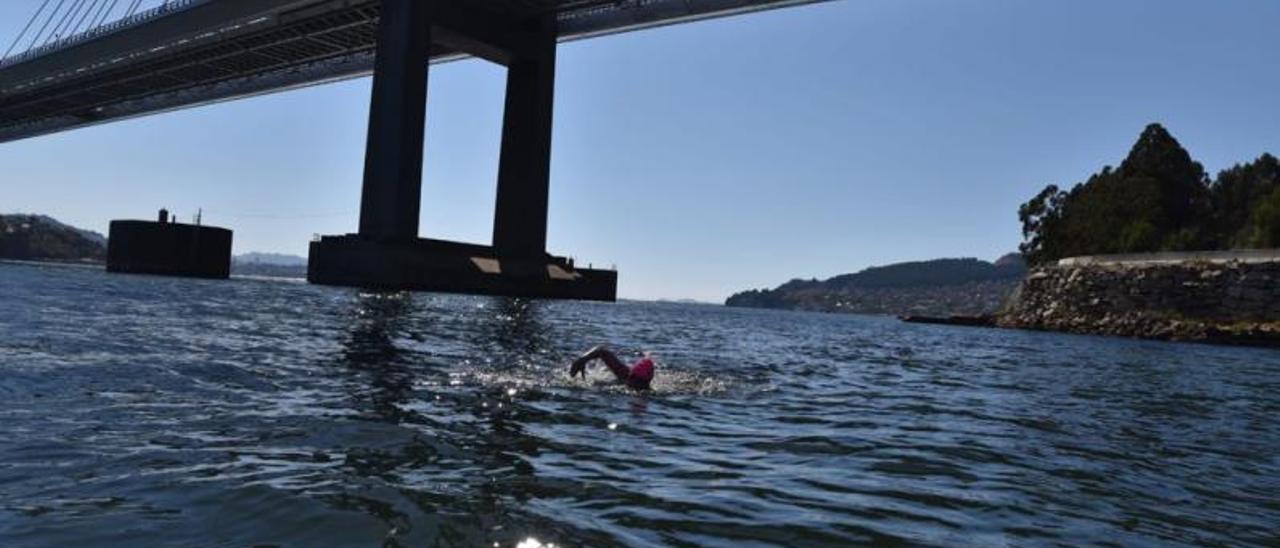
[{"x": 641, "y": 373}]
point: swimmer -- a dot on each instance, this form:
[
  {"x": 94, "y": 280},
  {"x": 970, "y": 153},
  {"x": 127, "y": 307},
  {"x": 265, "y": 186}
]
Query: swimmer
[{"x": 638, "y": 376}]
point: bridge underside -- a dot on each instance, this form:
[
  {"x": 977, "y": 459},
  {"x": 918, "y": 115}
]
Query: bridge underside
[{"x": 204, "y": 51}]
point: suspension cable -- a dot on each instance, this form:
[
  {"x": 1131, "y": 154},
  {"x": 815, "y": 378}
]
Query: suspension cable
[
  {"x": 62, "y": 18},
  {"x": 64, "y": 23},
  {"x": 88, "y": 16},
  {"x": 104, "y": 14},
  {"x": 30, "y": 21},
  {"x": 134, "y": 7},
  {"x": 52, "y": 14}
]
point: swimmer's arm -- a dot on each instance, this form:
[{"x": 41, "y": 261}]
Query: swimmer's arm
[{"x": 610, "y": 359}]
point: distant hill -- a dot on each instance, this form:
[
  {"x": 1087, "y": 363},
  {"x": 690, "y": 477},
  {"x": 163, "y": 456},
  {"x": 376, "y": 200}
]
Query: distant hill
[
  {"x": 42, "y": 238},
  {"x": 280, "y": 259},
  {"x": 939, "y": 287},
  {"x": 277, "y": 265}
]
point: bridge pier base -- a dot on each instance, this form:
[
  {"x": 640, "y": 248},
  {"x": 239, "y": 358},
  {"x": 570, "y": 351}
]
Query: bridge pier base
[
  {"x": 387, "y": 252},
  {"x": 452, "y": 267}
]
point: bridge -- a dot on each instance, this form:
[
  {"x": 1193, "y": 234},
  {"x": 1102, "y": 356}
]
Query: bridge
[{"x": 186, "y": 53}]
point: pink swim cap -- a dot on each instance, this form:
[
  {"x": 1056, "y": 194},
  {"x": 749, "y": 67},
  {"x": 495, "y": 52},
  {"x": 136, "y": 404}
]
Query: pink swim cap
[{"x": 642, "y": 372}]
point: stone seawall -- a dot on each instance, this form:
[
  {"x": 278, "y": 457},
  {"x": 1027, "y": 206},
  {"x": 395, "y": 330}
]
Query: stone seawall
[{"x": 1210, "y": 301}]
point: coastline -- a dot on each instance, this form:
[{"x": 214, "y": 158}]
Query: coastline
[
  {"x": 78, "y": 263},
  {"x": 1227, "y": 298},
  {"x": 1219, "y": 298}
]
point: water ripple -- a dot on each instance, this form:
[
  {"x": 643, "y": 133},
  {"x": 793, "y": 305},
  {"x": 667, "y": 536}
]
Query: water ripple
[{"x": 145, "y": 410}]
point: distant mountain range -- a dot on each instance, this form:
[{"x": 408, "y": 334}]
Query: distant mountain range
[
  {"x": 42, "y": 238},
  {"x": 278, "y": 259},
  {"x": 939, "y": 287},
  {"x": 276, "y": 265}
]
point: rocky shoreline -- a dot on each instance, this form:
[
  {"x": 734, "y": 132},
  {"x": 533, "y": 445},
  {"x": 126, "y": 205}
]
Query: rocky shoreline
[{"x": 1222, "y": 302}]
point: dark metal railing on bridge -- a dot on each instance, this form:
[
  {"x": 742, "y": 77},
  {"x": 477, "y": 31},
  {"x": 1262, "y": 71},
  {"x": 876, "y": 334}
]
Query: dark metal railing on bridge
[{"x": 145, "y": 16}]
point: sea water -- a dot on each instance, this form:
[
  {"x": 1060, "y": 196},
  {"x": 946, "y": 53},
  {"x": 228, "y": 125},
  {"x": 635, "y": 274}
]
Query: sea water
[{"x": 141, "y": 410}]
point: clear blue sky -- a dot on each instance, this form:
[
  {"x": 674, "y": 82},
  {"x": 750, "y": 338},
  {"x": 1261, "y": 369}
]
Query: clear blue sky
[{"x": 738, "y": 153}]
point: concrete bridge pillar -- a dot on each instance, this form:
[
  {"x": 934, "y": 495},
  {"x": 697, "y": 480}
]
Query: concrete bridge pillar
[
  {"x": 392, "y": 194},
  {"x": 387, "y": 252},
  {"x": 524, "y": 170}
]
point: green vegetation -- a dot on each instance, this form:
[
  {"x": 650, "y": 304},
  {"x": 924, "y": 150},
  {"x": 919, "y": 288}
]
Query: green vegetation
[
  {"x": 1159, "y": 199},
  {"x": 37, "y": 237}
]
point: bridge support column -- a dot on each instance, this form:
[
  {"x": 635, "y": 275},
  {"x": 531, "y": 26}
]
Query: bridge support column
[
  {"x": 524, "y": 170},
  {"x": 387, "y": 252},
  {"x": 392, "y": 194}
]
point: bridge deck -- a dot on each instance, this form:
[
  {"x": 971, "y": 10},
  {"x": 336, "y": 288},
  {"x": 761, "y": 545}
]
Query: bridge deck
[{"x": 195, "y": 52}]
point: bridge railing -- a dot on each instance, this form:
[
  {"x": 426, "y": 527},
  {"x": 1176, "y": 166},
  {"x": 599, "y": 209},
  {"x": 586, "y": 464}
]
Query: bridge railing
[{"x": 141, "y": 17}]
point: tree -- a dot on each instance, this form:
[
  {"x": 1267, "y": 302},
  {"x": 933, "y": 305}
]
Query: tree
[
  {"x": 1263, "y": 230},
  {"x": 1037, "y": 215},
  {"x": 1236, "y": 194},
  {"x": 1158, "y": 199}
]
